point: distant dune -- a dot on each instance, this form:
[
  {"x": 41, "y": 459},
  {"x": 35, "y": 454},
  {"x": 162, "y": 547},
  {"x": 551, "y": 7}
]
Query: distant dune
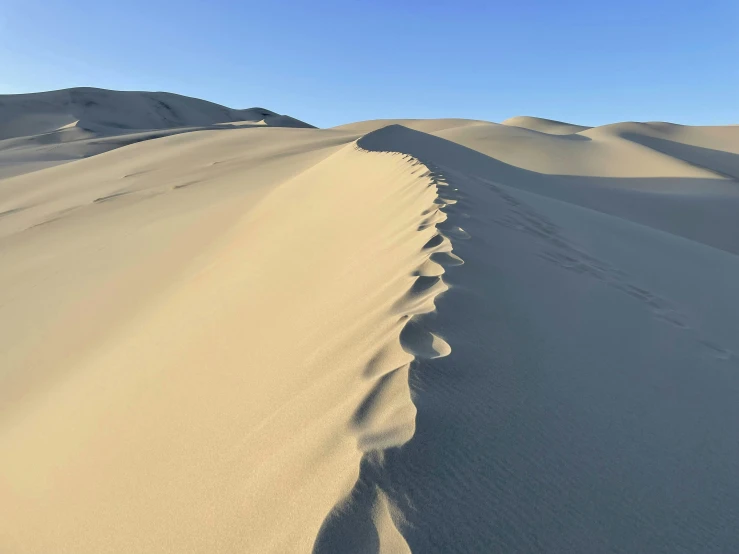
[
  {"x": 393, "y": 336},
  {"x": 46, "y": 128},
  {"x": 542, "y": 125}
]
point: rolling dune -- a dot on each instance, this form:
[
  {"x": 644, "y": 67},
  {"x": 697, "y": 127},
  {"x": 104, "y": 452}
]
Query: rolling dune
[
  {"x": 44, "y": 129},
  {"x": 542, "y": 125},
  {"x": 390, "y": 336}
]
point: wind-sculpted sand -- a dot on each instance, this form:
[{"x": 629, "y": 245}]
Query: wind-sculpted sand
[{"x": 417, "y": 336}]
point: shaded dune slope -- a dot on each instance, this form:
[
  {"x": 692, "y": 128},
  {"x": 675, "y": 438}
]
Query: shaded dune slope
[
  {"x": 109, "y": 110},
  {"x": 713, "y": 149},
  {"x": 550, "y": 427},
  {"x": 699, "y": 206}
]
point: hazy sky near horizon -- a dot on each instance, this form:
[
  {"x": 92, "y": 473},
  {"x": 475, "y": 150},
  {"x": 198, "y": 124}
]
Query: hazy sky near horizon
[{"x": 329, "y": 62}]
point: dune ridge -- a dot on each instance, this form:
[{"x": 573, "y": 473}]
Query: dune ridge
[
  {"x": 367, "y": 520},
  {"x": 542, "y": 125}
]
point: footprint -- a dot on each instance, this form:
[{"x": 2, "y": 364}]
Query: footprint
[
  {"x": 110, "y": 197},
  {"x": 57, "y": 216},
  {"x": 429, "y": 268},
  {"x": 372, "y": 403},
  {"x": 420, "y": 298},
  {"x": 434, "y": 242},
  {"x": 436, "y": 217},
  {"x": 136, "y": 174},
  {"x": 455, "y": 231},
  {"x": 423, "y": 284},
  {"x": 187, "y": 184},
  {"x": 11, "y": 212},
  {"x": 447, "y": 259},
  {"x": 672, "y": 317},
  {"x": 421, "y": 343},
  {"x": 715, "y": 350}
]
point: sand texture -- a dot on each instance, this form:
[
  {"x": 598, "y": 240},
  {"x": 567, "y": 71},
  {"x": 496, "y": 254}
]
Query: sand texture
[{"x": 226, "y": 331}]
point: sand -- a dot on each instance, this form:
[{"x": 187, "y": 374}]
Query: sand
[
  {"x": 391, "y": 336},
  {"x": 48, "y": 128}
]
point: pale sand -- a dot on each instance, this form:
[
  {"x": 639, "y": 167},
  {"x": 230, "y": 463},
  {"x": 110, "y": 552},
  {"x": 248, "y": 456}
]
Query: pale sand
[{"x": 433, "y": 336}]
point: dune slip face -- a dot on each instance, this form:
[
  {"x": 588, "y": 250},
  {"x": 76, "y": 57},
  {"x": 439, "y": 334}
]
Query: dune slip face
[{"x": 588, "y": 380}]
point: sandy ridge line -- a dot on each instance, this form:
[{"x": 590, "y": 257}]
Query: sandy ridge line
[{"x": 367, "y": 517}]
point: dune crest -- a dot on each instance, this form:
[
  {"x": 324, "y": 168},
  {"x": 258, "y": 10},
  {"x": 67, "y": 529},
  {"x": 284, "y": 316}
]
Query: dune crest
[
  {"x": 548, "y": 126},
  {"x": 367, "y": 519}
]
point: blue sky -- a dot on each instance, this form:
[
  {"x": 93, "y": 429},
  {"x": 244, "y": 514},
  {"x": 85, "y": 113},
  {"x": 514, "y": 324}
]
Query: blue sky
[{"x": 329, "y": 62}]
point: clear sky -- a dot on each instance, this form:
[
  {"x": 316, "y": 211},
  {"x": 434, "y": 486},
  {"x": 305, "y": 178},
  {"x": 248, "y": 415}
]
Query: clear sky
[{"x": 331, "y": 62}]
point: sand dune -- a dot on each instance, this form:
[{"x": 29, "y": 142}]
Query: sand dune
[
  {"x": 425, "y": 125},
  {"x": 542, "y": 125},
  {"x": 415, "y": 336},
  {"x": 43, "y": 129}
]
